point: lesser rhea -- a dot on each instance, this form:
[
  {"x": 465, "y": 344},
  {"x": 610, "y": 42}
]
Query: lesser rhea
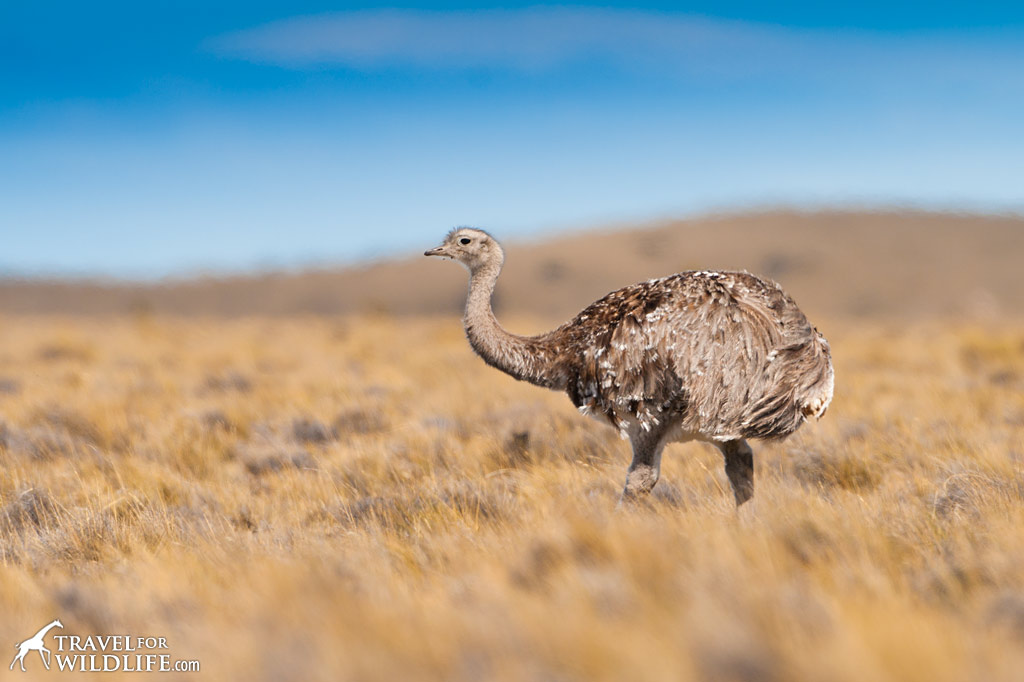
[{"x": 699, "y": 355}]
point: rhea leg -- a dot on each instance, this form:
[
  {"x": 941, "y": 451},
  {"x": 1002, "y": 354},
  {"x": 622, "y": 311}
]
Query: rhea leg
[
  {"x": 739, "y": 467},
  {"x": 645, "y": 468}
]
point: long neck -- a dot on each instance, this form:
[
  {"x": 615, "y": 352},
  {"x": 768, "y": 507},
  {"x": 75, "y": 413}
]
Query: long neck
[
  {"x": 46, "y": 629},
  {"x": 525, "y": 358}
]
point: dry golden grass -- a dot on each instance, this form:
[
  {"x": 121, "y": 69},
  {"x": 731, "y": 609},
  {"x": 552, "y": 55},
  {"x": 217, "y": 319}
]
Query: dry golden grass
[{"x": 361, "y": 498}]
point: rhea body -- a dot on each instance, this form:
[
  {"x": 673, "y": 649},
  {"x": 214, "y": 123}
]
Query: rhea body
[{"x": 720, "y": 357}]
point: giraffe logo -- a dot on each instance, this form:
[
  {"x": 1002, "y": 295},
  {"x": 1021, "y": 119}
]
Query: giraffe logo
[{"x": 35, "y": 643}]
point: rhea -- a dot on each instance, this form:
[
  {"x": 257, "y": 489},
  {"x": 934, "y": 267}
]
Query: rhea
[{"x": 719, "y": 357}]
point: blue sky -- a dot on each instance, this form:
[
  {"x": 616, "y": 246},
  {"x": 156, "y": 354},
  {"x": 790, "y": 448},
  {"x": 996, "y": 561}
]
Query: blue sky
[{"x": 165, "y": 138}]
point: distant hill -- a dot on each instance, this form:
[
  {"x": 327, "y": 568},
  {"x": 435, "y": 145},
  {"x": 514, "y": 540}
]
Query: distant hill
[{"x": 834, "y": 263}]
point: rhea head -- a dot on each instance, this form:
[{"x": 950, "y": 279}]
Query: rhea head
[{"x": 473, "y": 248}]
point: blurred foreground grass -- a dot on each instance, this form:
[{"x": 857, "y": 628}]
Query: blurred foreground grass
[{"x": 361, "y": 498}]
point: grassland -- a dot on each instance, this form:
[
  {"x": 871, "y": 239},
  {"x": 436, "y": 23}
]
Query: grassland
[{"x": 361, "y": 498}]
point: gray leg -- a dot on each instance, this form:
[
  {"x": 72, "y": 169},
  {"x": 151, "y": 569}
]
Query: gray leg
[
  {"x": 739, "y": 467},
  {"x": 646, "y": 465}
]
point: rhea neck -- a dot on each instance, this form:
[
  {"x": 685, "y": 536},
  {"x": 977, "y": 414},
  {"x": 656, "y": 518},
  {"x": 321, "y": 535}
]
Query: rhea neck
[{"x": 523, "y": 357}]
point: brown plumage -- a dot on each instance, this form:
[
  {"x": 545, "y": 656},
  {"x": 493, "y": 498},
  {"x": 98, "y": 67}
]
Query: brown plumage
[{"x": 699, "y": 355}]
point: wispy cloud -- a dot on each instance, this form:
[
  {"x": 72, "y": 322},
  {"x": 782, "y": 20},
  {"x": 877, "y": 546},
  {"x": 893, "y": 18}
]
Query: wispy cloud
[
  {"x": 542, "y": 38},
  {"x": 529, "y": 38}
]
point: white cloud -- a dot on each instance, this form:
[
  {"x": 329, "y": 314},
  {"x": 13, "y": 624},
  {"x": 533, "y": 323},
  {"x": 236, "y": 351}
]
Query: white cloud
[
  {"x": 544, "y": 38},
  {"x": 530, "y": 38}
]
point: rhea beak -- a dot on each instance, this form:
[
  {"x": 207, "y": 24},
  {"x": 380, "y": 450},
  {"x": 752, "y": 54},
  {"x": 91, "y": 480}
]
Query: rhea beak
[{"x": 436, "y": 251}]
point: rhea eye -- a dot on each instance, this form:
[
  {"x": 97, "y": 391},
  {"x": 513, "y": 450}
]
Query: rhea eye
[{"x": 464, "y": 240}]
